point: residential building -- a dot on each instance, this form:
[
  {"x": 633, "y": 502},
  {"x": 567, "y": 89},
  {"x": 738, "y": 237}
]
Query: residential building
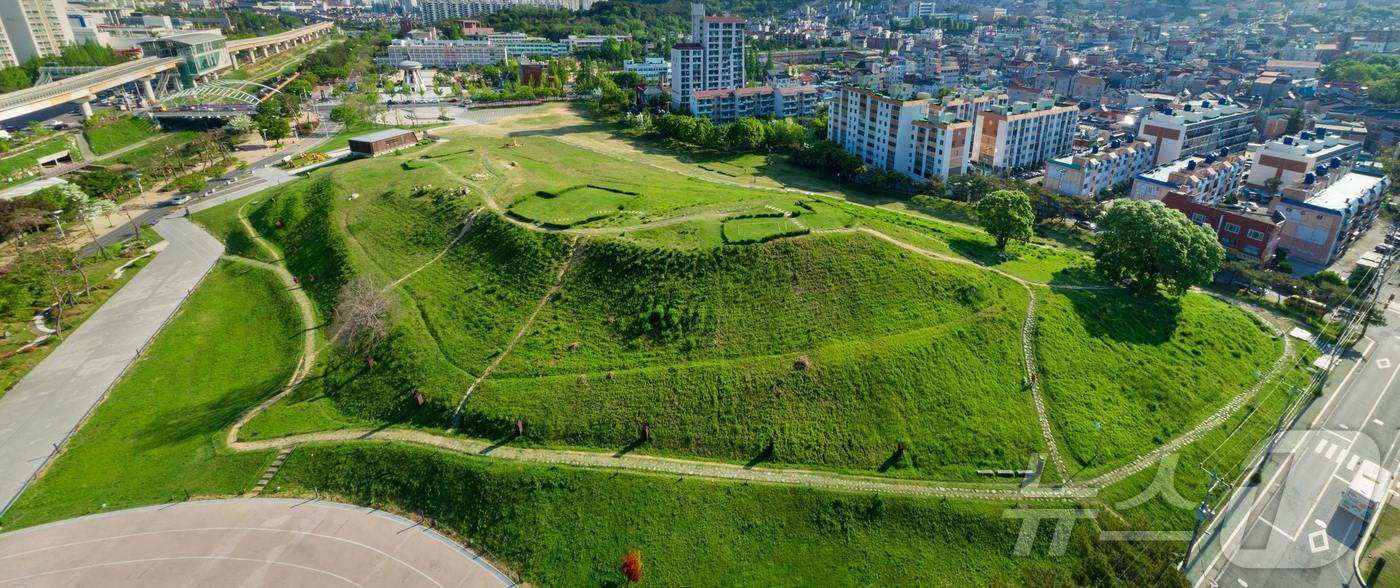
[
  {"x": 730, "y": 104},
  {"x": 7, "y": 53},
  {"x": 436, "y": 10},
  {"x": 894, "y": 129},
  {"x": 1289, "y": 158},
  {"x": 1197, "y": 128},
  {"x": 654, "y": 69},
  {"x": 1022, "y": 135},
  {"x": 921, "y": 8},
  {"x": 1245, "y": 231},
  {"x": 35, "y": 28},
  {"x": 522, "y": 44},
  {"x": 579, "y": 43},
  {"x": 1207, "y": 180},
  {"x": 1295, "y": 68},
  {"x": 442, "y": 54},
  {"x": 713, "y": 60},
  {"x": 1327, "y": 211},
  {"x": 1089, "y": 173}
]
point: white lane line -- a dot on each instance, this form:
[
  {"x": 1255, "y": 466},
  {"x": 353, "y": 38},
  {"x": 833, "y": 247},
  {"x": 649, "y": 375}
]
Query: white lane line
[
  {"x": 1379, "y": 423},
  {"x": 1321, "y": 444},
  {"x": 1317, "y": 541},
  {"x": 1242, "y": 582},
  {"x": 1343, "y": 426},
  {"x": 1342, "y": 456},
  {"x": 1342, "y": 480},
  {"x": 1351, "y": 465},
  {"x": 1383, "y": 363},
  {"x": 1338, "y": 435},
  {"x": 266, "y": 562},
  {"x": 1331, "y": 450},
  {"x": 1280, "y": 531},
  {"x": 1320, "y": 523}
]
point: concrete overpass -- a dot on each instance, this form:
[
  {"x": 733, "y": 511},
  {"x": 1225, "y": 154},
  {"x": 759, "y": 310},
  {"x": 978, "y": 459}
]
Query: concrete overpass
[
  {"x": 81, "y": 89},
  {"x": 253, "y": 48}
]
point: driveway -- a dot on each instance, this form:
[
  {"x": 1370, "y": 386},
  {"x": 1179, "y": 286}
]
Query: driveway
[
  {"x": 44, "y": 408},
  {"x": 241, "y": 542}
]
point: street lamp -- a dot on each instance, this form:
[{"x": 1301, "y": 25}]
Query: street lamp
[{"x": 58, "y": 223}]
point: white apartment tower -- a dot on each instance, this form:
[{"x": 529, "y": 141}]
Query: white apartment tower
[
  {"x": 35, "y": 28},
  {"x": 897, "y": 130},
  {"x": 1023, "y": 135},
  {"x": 1197, "y": 128},
  {"x": 713, "y": 60}
]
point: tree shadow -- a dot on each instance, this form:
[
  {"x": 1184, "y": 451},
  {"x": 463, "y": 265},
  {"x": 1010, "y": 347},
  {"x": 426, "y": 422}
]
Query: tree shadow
[
  {"x": 1118, "y": 315},
  {"x": 629, "y": 448},
  {"x": 892, "y": 461},
  {"x": 180, "y": 422}
]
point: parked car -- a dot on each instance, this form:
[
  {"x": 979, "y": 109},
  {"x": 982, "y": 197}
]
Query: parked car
[
  {"x": 180, "y": 199},
  {"x": 1383, "y": 249}
]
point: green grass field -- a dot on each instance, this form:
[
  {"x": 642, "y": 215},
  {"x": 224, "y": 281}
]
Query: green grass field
[
  {"x": 571, "y": 207},
  {"x": 222, "y": 222},
  {"x": 158, "y": 149},
  {"x": 119, "y": 133},
  {"x": 1381, "y": 563},
  {"x": 759, "y": 229},
  {"x": 1146, "y": 370},
  {"x": 30, "y": 158},
  {"x": 159, "y": 435},
  {"x": 571, "y": 527}
]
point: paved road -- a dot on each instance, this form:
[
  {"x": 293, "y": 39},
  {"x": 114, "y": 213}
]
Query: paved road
[
  {"x": 1291, "y": 531},
  {"x": 41, "y": 411},
  {"x": 244, "y": 542}
]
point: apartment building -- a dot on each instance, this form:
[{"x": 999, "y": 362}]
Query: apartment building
[
  {"x": 1023, "y": 135},
  {"x": 1245, "y": 231},
  {"x": 895, "y": 129},
  {"x": 1197, "y": 128},
  {"x": 522, "y": 44},
  {"x": 966, "y": 106},
  {"x": 7, "y": 53},
  {"x": 713, "y": 60},
  {"x": 442, "y": 54},
  {"x": 1091, "y": 172},
  {"x": 35, "y": 28},
  {"x": 1207, "y": 180},
  {"x": 730, "y": 104},
  {"x": 1328, "y": 210},
  {"x": 1289, "y": 158}
]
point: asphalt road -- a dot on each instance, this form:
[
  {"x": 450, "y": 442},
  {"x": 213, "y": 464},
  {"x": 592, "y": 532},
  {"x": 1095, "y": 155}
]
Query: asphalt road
[
  {"x": 244, "y": 542},
  {"x": 1290, "y": 531},
  {"x": 47, "y": 405}
]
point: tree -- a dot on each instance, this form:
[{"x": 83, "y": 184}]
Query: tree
[
  {"x": 241, "y": 125},
  {"x": 746, "y": 134},
  {"x": 275, "y": 129},
  {"x": 363, "y": 315},
  {"x": 970, "y": 187},
  {"x": 1295, "y": 122},
  {"x": 1148, "y": 244},
  {"x": 1006, "y": 215},
  {"x": 632, "y": 567}
]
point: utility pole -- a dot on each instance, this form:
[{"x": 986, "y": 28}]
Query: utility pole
[
  {"x": 1376, "y": 282},
  {"x": 1203, "y": 513}
]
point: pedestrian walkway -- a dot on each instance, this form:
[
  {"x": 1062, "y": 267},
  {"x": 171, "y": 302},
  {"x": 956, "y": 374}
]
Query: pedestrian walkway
[{"x": 44, "y": 408}]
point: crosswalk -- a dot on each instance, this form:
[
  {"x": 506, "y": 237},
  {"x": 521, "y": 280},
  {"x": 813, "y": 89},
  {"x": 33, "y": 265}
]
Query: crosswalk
[{"x": 1338, "y": 454}]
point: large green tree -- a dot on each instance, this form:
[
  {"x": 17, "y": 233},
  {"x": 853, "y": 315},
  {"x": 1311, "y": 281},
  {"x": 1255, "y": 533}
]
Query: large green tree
[
  {"x": 1007, "y": 216},
  {"x": 1148, "y": 244}
]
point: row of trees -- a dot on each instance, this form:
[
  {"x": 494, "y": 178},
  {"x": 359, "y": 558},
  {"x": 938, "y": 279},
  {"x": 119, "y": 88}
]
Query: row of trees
[
  {"x": 1380, "y": 74},
  {"x": 23, "y": 76},
  {"x": 746, "y": 134}
]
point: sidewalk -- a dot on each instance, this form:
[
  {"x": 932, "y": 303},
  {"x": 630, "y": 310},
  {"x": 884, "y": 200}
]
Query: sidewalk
[{"x": 52, "y": 401}]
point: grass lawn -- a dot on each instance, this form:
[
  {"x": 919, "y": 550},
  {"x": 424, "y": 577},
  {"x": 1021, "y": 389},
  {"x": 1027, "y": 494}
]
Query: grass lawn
[
  {"x": 1147, "y": 370},
  {"x": 1381, "y": 563},
  {"x": 147, "y": 154},
  {"x": 759, "y": 229},
  {"x": 119, "y": 133},
  {"x": 159, "y": 435},
  {"x": 574, "y": 206},
  {"x": 341, "y": 140},
  {"x": 571, "y": 527},
  {"x": 13, "y": 167},
  {"x": 222, "y": 222}
]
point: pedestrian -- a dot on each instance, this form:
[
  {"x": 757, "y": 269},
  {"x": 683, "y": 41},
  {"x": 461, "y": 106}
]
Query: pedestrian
[
  {"x": 295, "y": 281},
  {"x": 1033, "y": 380}
]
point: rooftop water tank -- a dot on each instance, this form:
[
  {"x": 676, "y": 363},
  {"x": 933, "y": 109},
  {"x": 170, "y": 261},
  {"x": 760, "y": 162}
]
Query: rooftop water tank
[
  {"x": 1191, "y": 164},
  {"x": 1309, "y": 178}
]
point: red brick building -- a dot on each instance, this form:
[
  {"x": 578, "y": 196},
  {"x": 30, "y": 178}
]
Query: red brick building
[{"x": 1251, "y": 235}]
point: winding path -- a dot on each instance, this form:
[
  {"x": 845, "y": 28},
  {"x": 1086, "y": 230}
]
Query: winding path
[{"x": 644, "y": 464}]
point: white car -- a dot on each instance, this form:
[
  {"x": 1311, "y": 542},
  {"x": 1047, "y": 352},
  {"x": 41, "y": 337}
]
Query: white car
[{"x": 181, "y": 199}]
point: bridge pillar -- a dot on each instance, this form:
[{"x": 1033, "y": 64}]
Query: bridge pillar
[
  {"x": 85, "y": 105},
  {"x": 147, "y": 90}
]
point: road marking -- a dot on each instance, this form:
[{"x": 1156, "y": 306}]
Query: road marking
[
  {"x": 1339, "y": 435},
  {"x": 1342, "y": 456},
  {"x": 1321, "y": 444},
  {"x": 1317, "y": 541},
  {"x": 1379, "y": 423},
  {"x": 1351, "y": 465},
  {"x": 1280, "y": 531},
  {"x": 1383, "y": 363},
  {"x": 1320, "y": 523},
  {"x": 1331, "y": 449},
  {"x": 1242, "y": 582},
  {"x": 1343, "y": 427}
]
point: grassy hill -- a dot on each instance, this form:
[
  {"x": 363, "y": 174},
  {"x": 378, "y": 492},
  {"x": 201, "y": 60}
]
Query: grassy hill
[
  {"x": 835, "y": 347},
  {"x": 119, "y": 133}
]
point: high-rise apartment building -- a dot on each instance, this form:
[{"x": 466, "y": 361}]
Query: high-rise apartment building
[
  {"x": 35, "y": 28},
  {"x": 895, "y": 129},
  {"x": 7, "y": 53},
  {"x": 713, "y": 60},
  {"x": 1023, "y": 135},
  {"x": 1196, "y": 129}
]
